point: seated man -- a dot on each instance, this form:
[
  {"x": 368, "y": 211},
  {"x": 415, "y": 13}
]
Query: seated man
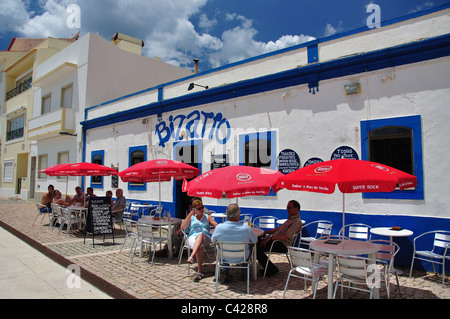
[
  {"x": 79, "y": 196},
  {"x": 119, "y": 205},
  {"x": 284, "y": 236},
  {"x": 233, "y": 230}
]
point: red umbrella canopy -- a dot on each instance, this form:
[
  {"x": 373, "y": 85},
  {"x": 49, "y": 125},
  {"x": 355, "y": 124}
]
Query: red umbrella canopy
[
  {"x": 54, "y": 170},
  {"x": 79, "y": 169},
  {"x": 235, "y": 181},
  {"x": 158, "y": 170},
  {"x": 351, "y": 176}
]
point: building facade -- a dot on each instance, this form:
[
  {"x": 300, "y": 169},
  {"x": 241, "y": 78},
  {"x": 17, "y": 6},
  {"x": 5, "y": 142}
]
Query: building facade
[{"x": 377, "y": 95}]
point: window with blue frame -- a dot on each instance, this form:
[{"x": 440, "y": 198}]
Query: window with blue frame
[
  {"x": 259, "y": 150},
  {"x": 97, "y": 157},
  {"x": 396, "y": 142},
  {"x": 136, "y": 155}
]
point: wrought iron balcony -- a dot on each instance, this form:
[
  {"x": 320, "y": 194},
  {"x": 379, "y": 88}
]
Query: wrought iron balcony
[{"x": 22, "y": 87}]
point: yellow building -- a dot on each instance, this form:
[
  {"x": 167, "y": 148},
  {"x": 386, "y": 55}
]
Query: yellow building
[{"x": 17, "y": 66}]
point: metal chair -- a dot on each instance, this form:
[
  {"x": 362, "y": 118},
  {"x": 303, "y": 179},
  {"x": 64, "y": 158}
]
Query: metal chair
[
  {"x": 57, "y": 216},
  {"x": 387, "y": 251},
  {"x": 184, "y": 245},
  {"x": 43, "y": 211},
  {"x": 323, "y": 229},
  {"x": 68, "y": 219},
  {"x": 117, "y": 217},
  {"x": 130, "y": 233},
  {"x": 270, "y": 252},
  {"x": 356, "y": 231},
  {"x": 355, "y": 272},
  {"x": 303, "y": 267},
  {"x": 437, "y": 255},
  {"x": 233, "y": 255},
  {"x": 132, "y": 211},
  {"x": 265, "y": 222},
  {"x": 147, "y": 238}
]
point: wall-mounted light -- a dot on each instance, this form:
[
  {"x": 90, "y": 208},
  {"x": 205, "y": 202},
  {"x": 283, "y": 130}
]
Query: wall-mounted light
[
  {"x": 191, "y": 86},
  {"x": 352, "y": 88},
  {"x": 67, "y": 133}
]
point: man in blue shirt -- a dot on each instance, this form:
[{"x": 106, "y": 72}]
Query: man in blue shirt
[{"x": 233, "y": 230}]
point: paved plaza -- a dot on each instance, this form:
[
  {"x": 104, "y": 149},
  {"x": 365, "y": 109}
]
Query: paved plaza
[{"x": 107, "y": 273}]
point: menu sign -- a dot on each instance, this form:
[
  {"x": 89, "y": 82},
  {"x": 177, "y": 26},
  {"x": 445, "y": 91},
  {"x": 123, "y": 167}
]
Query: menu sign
[
  {"x": 344, "y": 152},
  {"x": 288, "y": 161},
  {"x": 99, "y": 219}
]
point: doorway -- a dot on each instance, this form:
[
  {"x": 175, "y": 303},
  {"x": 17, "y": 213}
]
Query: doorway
[{"x": 190, "y": 153}]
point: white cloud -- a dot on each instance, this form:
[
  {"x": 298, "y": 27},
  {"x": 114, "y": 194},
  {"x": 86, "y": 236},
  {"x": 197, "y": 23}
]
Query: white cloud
[
  {"x": 331, "y": 30},
  {"x": 165, "y": 26}
]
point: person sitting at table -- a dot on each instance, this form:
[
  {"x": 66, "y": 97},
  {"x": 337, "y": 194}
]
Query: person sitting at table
[
  {"x": 282, "y": 235},
  {"x": 47, "y": 199},
  {"x": 58, "y": 200},
  {"x": 78, "y": 197},
  {"x": 199, "y": 236},
  {"x": 119, "y": 205},
  {"x": 89, "y": 194},
  {"x": 110, "y": 194},
  {"x": 233, "y": 230}
]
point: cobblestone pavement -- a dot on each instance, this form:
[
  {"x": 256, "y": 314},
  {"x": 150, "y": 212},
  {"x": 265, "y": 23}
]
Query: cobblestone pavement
[{"x": 167, "y": 280}]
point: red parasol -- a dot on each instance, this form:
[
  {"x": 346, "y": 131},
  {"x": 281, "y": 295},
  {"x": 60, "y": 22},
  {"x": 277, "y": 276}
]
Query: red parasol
[
  {"x": 351, "y": 176},
  {"x": 158, "y": 170},
  {"x": 234, "y": 181}
]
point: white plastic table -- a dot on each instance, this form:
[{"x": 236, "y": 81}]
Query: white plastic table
[
  {"x": 388, "y": 231},
  {"x": 163, "y": 222},
  {"x": 345, "y": 247},
  {"x": 219, "y": 215}
]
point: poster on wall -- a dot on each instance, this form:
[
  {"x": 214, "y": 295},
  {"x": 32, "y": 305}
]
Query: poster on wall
[
  {"x": 219, "y": 160},
  {"x": 313, "y": 160},
  {"x": 288, "y": 161},
  {"x": 344, "y": 152}
]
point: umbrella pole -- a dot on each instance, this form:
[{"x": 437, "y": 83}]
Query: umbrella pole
[
  {"x": 343, "y": 211},
  {"x": 159, "y": 182}
]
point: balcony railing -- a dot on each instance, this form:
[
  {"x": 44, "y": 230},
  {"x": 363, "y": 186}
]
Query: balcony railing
[
  {"x": 12, "y": 135},
  {"x": 22, "y": 87}
]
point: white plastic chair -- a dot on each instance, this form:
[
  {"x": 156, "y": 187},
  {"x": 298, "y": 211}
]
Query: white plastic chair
[
  {"x": 184, "y": 245},
  {"x": 356, "y": 231},
  {"x": 270, "y": 252},
  {"x": 117, "y": 217},
  {"x": 233, "y": 255},
  {"x": 323, "y": 229},
  {"x": 353, "y": 272},
  {"x": 387, "y": 251},
  {"x": 147, "y": 238},
  {"x": 265, "y": 222},
  {"x": 438, "y": 254},
  {"x": 303, "y": 267},
  {"x": 130, "y": 233},
  {"x": 57, "y": 216},
  {"x": 43, "y": 211},
  {"x": 69, "y": 219}
]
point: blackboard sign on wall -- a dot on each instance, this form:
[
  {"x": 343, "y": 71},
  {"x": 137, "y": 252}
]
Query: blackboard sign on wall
[{"x": 99, "y": 219}]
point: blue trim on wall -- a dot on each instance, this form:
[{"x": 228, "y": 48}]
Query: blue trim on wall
[
  {"x": 412, "y": 122},
  {"x": 390, "y": 57}
]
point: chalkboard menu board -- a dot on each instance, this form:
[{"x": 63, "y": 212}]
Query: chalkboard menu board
[{"x": 99, "y": 219}]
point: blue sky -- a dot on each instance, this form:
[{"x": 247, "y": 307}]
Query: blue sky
[{"x": 217, "y": 32}]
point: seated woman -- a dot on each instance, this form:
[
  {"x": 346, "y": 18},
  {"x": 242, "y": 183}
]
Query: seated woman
[
  {"x": 58, "y": 200},
  {"x": 199, "y": 236}
]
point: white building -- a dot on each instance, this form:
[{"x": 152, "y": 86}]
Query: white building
[
  {"x": 90, "y": 71},
  {"x": 373, "y": 94}
]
